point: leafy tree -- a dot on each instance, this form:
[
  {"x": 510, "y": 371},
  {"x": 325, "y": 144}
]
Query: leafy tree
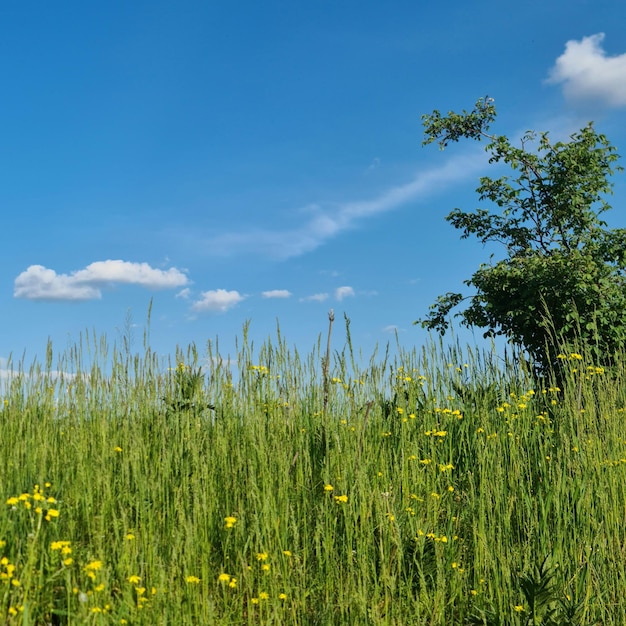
[{"x": 563, "y": 275}]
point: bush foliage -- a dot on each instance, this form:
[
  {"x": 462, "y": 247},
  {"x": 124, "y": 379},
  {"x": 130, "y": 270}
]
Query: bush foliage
[{"x": 563, "y": 273}]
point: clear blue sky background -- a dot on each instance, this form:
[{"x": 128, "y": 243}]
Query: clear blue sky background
[{"x": 236, "y": 161}]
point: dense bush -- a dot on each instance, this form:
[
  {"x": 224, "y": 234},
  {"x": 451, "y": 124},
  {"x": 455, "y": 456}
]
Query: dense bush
[{"x": 562, "y": 277}]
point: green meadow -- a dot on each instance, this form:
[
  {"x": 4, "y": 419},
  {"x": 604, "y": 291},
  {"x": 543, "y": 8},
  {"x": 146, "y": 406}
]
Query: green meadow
[{"x": 439, "y": 486}]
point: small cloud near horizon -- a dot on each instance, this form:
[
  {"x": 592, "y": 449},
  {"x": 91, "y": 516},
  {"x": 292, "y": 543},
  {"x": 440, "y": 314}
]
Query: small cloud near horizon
[
  {"x": 588, "y": 74},
  {"x": 217, "y": 301},
  {"x": 393, "y": 329},
  {"x": 316, "y": 297},
  {"x": 41, "y": 283},
  {"x": 344, "y": 292},
  {"x": 276, "y": 293}
]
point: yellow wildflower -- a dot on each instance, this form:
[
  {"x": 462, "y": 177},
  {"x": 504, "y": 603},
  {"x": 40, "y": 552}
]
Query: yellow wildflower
[
  {"x": 93, "y": 566},
  {"x": 52, "y": 513}
]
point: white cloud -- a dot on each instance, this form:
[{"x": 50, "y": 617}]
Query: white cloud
[
  {"x": 276, "y": 293},
  {"x": 218, "y": 300},
  {"x": 343, "y": 292},
  {"x": 184, "y": 293},
  {"x": 317, "y": 297},
  {"x": 41, "y": 283},
  {"x": 5, "y": 372},
  {"x": 588, "y": 74},
  {"x": 10, "y": 370},
  {"x": 393, "y": 329},
  {"x": 324, "y": 224},
  {"x": 128, "y": 273}
]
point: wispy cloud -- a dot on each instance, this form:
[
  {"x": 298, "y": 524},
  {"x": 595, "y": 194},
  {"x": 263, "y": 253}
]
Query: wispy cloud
[
  {"x": 374, "y": 165},
  {"x": 218, "y": 300},
  {"x": 393, "y": 329},
  {"x": 276, "y": 293},
  {"x": 41, "y": 283},
  {"x": 588, "y": 74},
  {"x": 324, "y": 224},
  {"x": 343, "y": 292},
  {"x": 316, "y": 297}
]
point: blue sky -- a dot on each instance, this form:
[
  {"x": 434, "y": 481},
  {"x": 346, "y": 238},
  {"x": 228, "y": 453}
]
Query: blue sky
[{"x": 234, "y": 161}]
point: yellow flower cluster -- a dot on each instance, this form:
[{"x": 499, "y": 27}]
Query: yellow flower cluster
[
  {"x": 65, "y": 548},
  {"x": 7, "y": 573},
  {"x": 433, "y": 536},
  {"x": 91, "y": 568},
  {"x": 140, "y": 591},
  {"x": 435, "y": 433},
  {"x": 404, "y": 376},
  {"x": 227, "y": 579},
  {"x": 452, "y": 412},
  {"x": 37, "y": 502},
  {"x": 590, "y": 370}
]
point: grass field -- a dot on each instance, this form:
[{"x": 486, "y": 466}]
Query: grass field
[{"x": 439, "y": 487}]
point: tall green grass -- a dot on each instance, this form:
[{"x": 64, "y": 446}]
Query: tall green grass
[{"x": 442, "y": 486}]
